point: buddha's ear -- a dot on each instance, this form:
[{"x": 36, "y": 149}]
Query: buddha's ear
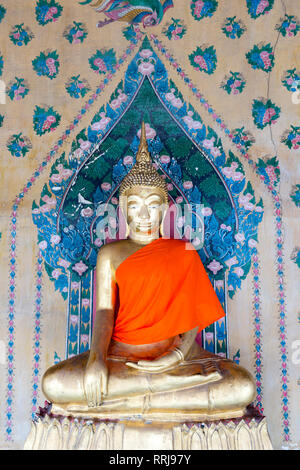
[
  {"x": 123, "y": 208},
  {"x": 123, "y": 204},
  {"x": 165, "y": 207}
]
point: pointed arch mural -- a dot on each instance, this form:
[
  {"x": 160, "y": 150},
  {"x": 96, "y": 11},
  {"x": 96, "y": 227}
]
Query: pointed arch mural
[{"x": 190, "y": 155}]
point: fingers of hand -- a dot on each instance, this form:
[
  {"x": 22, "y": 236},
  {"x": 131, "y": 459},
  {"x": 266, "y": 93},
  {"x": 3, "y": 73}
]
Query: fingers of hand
[{"x": 93, "y": 392}]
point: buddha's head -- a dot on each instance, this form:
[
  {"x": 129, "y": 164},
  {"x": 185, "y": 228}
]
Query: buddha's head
[{"x": 143, "y": 196}]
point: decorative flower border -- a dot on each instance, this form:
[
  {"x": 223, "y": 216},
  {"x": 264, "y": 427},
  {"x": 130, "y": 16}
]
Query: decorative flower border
[{"x": 278, "y": 231}]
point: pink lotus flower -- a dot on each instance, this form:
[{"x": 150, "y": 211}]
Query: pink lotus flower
[
  {"x": 187, "y": 184},
  {"x": 122, "y": 97},
  {"x": 239, "y": 271},
  {"x": 150, "y": 132},
  {"x": 87, "y": 212},
  {"x": 146, "y": 68},
  {"x": 206, "y": 211},
  {"x": 100, "y": 125},
  {"x": 51, "y": 119},
  {"x": 146, "y": 53},
  {"x": 240, "y": 237},
  {"x": 98, "y": 242},
  {"x": 231, "y": 261},
  {"x": 85, "y": 144},
  {"x": 51, "y": 201},
  {"x": 106, "y": 186},
  {"x": 179, "y": 199},
  {"x": 66, "y": 173},
  {"x": 189, "y": 121},
  {"x": 215, "y": 152},
  {"x": 252, "y": 243},
  {"x": 43, "y": 245},
  {"x": 63, "y": 263},
  {"x": 55, "y": 239},
  {"x": 100, "y": 64},
  {"x": 170, "y": 186},
  {"x": 176, "y": 102},
  {"x": 80, "y": 268},
  {"x": 170, "y": 96},
  {"x": 78, "y": 153},
  {"x": 214, "y": 266},
  {"x": 208, "y": 143},
  {"x": 56, "y": 273},
  {"x": 56, "y": 178},
  {"x": 165, "y": 159},
  {"x": 128, "y": 160},
  {"x": 115, "y": 104},
  {"x": 244, "y": 201}
]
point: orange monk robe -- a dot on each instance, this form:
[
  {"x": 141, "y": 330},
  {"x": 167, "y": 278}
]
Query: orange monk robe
[{"x": 163, "y": 291}]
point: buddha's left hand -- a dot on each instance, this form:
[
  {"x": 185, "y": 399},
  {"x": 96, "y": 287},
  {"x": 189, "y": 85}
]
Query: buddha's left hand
[{"x": 157, "y": 365}]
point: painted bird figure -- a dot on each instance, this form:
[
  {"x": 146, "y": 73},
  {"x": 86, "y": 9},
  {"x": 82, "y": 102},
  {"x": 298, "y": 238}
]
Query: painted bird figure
[{"x": 149, "y": 12}]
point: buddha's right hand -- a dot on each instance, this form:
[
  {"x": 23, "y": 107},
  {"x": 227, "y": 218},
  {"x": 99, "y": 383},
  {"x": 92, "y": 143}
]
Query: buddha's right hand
[{"x": 95, "y": 381}]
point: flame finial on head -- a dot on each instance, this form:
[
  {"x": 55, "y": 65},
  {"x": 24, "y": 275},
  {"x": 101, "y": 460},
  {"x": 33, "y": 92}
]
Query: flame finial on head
[{"x": 143, "y": 172}]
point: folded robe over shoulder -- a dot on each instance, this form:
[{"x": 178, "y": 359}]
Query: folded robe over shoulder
[{"x": 163, "y": 291}]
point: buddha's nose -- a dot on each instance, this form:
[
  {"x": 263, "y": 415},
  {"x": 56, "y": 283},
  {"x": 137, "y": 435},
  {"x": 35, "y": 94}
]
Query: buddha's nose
[{"x": 144, "y": 213}]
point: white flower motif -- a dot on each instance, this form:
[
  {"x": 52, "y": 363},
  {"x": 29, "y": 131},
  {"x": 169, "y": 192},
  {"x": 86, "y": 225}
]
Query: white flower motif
[
  {"x": 55, "y": 239},
  {"x": 80, "y": 268},
  {"x": 214, "y": 266},
  {"x": 146, "y": 53}
]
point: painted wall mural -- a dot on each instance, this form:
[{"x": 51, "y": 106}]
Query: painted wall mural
[{"x": 220, "y": 105}]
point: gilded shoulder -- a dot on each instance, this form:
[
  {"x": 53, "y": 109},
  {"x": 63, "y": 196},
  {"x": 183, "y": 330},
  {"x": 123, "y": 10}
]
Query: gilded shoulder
[{"x": 110, "y": 251}]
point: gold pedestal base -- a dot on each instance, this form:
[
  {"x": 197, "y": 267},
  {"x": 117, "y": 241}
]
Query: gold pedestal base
[{"x": 54, "y": 432}]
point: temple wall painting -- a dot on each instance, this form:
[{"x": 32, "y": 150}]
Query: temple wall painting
[{"x": 217, "y": 84}]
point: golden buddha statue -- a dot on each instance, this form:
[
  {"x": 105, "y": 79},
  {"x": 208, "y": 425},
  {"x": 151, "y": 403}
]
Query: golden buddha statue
[{"x": 153, "y": 296}]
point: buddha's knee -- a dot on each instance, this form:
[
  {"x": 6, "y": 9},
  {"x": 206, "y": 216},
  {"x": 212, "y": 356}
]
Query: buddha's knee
[
  {"x": 51, "y": 384},
  {"x": 236, "y": 391}
]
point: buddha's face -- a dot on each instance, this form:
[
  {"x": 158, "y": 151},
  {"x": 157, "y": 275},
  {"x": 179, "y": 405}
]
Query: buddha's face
[{"x": 145, "y": 210}]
